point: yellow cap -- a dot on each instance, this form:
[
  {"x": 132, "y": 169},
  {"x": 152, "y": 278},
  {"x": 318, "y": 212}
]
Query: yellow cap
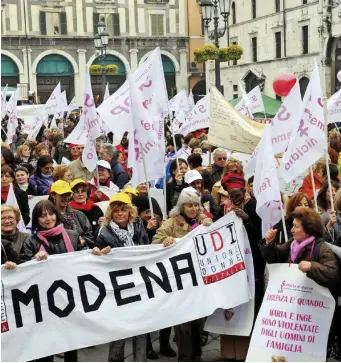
[
  {"x": 76, "y": 182},
  {"x": 120, "y": 197},
  {"x": 60, "y": 187},
  {"x": 131, "y": 190}
]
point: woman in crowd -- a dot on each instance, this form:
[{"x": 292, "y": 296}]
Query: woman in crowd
[
  {"x": 80, "y": 202},
  {"x": 40, "y": 150},
  {"x": 184, "y": 217},
  {"x": 7, "y": 177},
  {"x": 194, "y": 179},
  {"x": 74, "y": 152},
  {"x": 333, "y": 172},
  {"x": 143, "y": 192},
  {"x": 104, "y": 180},
  {"x": 11, "y": 238},
  {"x": 60, "y": 196},
  {"x": 323, "y": 199},
  {"x": 49, "y": 237},
  {"x": 131, "y": 192},
  {"x": 307, "y": 187},
  {"x": 23, "y": 157},
  {"x": 176, "y": 183},
  {"x": 234, "y": 348},
  {"x": 333, "y": 225},
  {"x": 122, "y": 228},
  {"x": 42, "y": 178},
  {"x": 22, "y": 182},
  {"x": 62, "y": 172},
  {"x": 7, "y": 158}
]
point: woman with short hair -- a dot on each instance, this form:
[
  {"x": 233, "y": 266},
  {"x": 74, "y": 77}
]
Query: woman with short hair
[
  {"x": 22, "y": 181},
  {"x": 62, "y": 172},
  {"x": 42, "y": 179},
  {"x": 23, "y": 157},
  {"x": 7, "y": 158},
  {"x": 11, "y": 238}
]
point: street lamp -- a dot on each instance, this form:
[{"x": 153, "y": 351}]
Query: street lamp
[
  {"x": 101, "y": 40},
  {"x": 210, "y": 11}
]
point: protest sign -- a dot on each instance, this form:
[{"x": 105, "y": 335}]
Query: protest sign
[
  {"x": 47, "y": 304},
  {"x": 294, "y": 320},
  {"x": 230, "y": 130},
  {"x": 334, "y": 107}
]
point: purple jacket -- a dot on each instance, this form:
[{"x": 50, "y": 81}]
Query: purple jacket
[{"x": 42, "y": 184}]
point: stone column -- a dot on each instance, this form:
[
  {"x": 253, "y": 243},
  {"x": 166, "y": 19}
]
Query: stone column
[
  {"x": 133, "y": 59},
  {"x": 182, "y": 75},
  {"x": 80, "y": 77}
]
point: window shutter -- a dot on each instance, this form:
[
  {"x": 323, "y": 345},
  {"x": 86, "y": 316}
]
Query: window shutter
[
  {"x": 116, "y": 23},
  {"x": 42, "y": 21},
  {"x": 154, "y": 24},
  {"x": 63, "y": 23},
  {"x": 161, "y": 31},
  {"x": 95, "y": 18}
]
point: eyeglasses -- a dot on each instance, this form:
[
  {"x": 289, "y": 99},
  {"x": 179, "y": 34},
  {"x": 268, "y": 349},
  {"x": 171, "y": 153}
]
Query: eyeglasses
[
  {"x": 222, "y": 158},
  {"x": 9, "y": 219},
  {"x": 66, "y": 195},
  {"x": 80, "y": 191}
]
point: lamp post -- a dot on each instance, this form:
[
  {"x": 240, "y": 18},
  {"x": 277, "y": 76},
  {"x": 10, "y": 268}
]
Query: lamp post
[
  {"x": 101, "y": 41},
  {"x": 210, "y": 11}
]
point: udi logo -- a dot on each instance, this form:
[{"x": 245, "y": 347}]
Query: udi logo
[
  {"x": 219, "y": 254},
  {"x": 4, "y": 322}
]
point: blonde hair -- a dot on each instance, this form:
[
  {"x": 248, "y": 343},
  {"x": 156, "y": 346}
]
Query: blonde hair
[
  {"x": 117, "y": 205},
  {"x": 11, "y": 208},
  {"x": 59, "y": 171},
  {"x": 20, "y": 150},
  {"x": 337, "y": 201},
  {"x": 39, "y": 148}
]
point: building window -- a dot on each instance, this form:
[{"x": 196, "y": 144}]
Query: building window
[
  {"x": 233, "y": 10},
  {"x": 305, "y": 47},
  {"x": 235, "y": 96},
  {"x": 304, "y": 2},
  {"x": 235, "y": 88},
  {"x": 254, "y": 49},
  {"x": 254, "y": 9},
  {"x": 278, "y": 38},
  {"x": 111, "y": 21},
  {"x": 157, "y": 24},
  {"x": 278, "y": 5},
  {"x": 156, "y": 1},
  {"x": 304, "y": 81},
  {"x": 52, "y": 23},
  {"x": 235, "y": 61}
]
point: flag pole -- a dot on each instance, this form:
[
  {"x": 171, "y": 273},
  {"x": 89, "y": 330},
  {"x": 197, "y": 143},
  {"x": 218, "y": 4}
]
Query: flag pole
[
  {"x": 325, "y": 114},
  {"x": 173, "y": 136},
  {"x": 314, "y": 188},
  {"x": 147, "y": 182},
  {"x": 164, "y": 198},
  {"x": 283, "y": 222}
]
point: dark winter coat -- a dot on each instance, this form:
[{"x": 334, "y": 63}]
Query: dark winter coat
[
  {"x": 22, "y": 200},
  {"x": 43, "y": 184},
  {"x": 93, "y": 216},
  {"x": 173, "y": 191},
  {"x": 211, "y": 178},
  {"x": 107, "y": 237},
  {"x": 56, "y": 245},
  {"x": 119, "y": 175},
  {"x": 213, "y": 207},
  {"x": 11, "y": 246}
]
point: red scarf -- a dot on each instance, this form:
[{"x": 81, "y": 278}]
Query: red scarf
[
  {"x": 87, "y": 206},
  {"x": 55, "y": 232},
  {"x": 4, "y": 193}
]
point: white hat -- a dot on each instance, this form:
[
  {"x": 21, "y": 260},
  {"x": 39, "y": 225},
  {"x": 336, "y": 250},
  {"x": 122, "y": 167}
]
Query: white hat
[
  {"x": 188, "y": 195},
  {"x": 104, "y": 164},
  {"x": 191, "y": 176}
]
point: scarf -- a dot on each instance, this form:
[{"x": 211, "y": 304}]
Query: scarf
[
  {"x": 87, "y": 206},
  {"x": 126, "y": 236},
  {"x": 46, "y": 176},
  {"x": 229, "y": 206},
  {"x": 23, "y": 187},
  {"x": 10, "y": 237},
  {"x": 296, "y": 248},
  {"x": 4, "y": 193},
  {"x": 56, "y": 231}
]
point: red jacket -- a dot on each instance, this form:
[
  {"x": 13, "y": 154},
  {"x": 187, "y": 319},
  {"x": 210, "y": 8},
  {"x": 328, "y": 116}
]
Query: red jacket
[
  {"x": 307, "y": 186},
  {"x": 93, "y": 196}
]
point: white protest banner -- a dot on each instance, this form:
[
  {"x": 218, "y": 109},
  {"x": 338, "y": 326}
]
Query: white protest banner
[
  {"x": 117, "y": 291},
  {"x": 230, "y": 130},
  {"x": 199, "y": 117},
  {"x": 72, "y": 105},
  {"x": 12, "y": 200},
  {"x": 241, "y": 108},
  {"x": 294, "y": 320},
  {"x": 93, "y": 127},
  {"x": 61, "y": 106},
  {"x": 241, "y": 322},
  {"x": 334, "y": 107},
  {"x": 179, "y": 101},
  {"x": 191, "y": 102},
  {"x": 11, "y": 109},
  {"x": 79, "y": 134},
  {"x": 39, "y": 121},
  {"x": 52, "y": 102},
  {"x": 65, "y": 161},
  {"x": 106, "y": 94},
  {"x": 292, "y": 187},
  {"x": 256, "y": 100},
  {"x": 3, "y": 101},
  {"x": 179, "y": 121},
  {"x": 115, "y": 110},
  {"x": 265, "y": 184},
  {"x": 308, "y": 140}
]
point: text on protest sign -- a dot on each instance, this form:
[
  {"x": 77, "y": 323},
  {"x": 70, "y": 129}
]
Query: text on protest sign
[{"x": 115, "y": 293}]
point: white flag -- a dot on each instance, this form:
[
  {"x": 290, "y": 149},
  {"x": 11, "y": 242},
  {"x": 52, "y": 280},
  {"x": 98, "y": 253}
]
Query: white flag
[
  {"x": 106, "y": 94},
  {"x": 52, "y": 102},
  {"x": 39, "y": 121},
  {"x": 199, "y": 117},
  {"x": 179, "y": 101},
  {"x": 334, "y": 107},
  {"x": 12, "y": 200},
  {"x": 61, "y": 106},
  {"x": 78, "y": 134},
  {"x": 3, "y": 101},
  {"x": 241, "y": 108},
  {"x": 191, "y": 102},
  {"x": 72, "y": 105},
  {"x": 308, "y": 141},
  {"x": 93, "y": 127},
  {"x": 13, "y": 116},
  {"x": 265, "y": 184},
  {"x": 256, "y": 100},
  {"x": 178, "y": 122}
]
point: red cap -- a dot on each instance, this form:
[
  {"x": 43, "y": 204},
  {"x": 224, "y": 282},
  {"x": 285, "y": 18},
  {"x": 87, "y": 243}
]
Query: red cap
[
  {"x": 233, "y": 181},
  {"x": 72, "y": 145}
]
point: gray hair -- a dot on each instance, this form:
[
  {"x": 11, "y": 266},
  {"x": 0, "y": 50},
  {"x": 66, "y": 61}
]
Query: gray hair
[
  {"x": 187, "y": 195},
  {"x": 219, "y": 151},
  {"x": 110, "y": 148}
]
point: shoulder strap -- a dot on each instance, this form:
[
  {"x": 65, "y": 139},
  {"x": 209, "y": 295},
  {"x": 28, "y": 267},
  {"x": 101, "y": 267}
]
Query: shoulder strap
[{"x": 316, "y": 251}]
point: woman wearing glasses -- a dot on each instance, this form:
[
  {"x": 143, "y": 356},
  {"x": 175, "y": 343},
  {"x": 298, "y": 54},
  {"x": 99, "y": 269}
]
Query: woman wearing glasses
[
  {"x": 43, "y": 178},
  {"x": 72, "y": 219}
]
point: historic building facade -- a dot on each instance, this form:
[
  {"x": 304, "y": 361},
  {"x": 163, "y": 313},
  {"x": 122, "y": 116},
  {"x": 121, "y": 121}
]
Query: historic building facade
[
  {"x": 281, "y": 36},
  {"x": 47, "y": 41}
]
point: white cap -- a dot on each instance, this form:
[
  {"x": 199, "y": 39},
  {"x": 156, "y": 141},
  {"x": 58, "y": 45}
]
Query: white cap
[
  {"x": 104, "y": 164},
  {"x": 191, "y": 176}
]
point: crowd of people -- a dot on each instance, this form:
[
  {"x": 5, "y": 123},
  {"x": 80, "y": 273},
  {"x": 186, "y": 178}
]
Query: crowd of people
[{"x": 196, "y": 194}]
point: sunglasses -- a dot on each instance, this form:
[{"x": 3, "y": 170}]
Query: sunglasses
[{"x": 221, "y": 159}]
